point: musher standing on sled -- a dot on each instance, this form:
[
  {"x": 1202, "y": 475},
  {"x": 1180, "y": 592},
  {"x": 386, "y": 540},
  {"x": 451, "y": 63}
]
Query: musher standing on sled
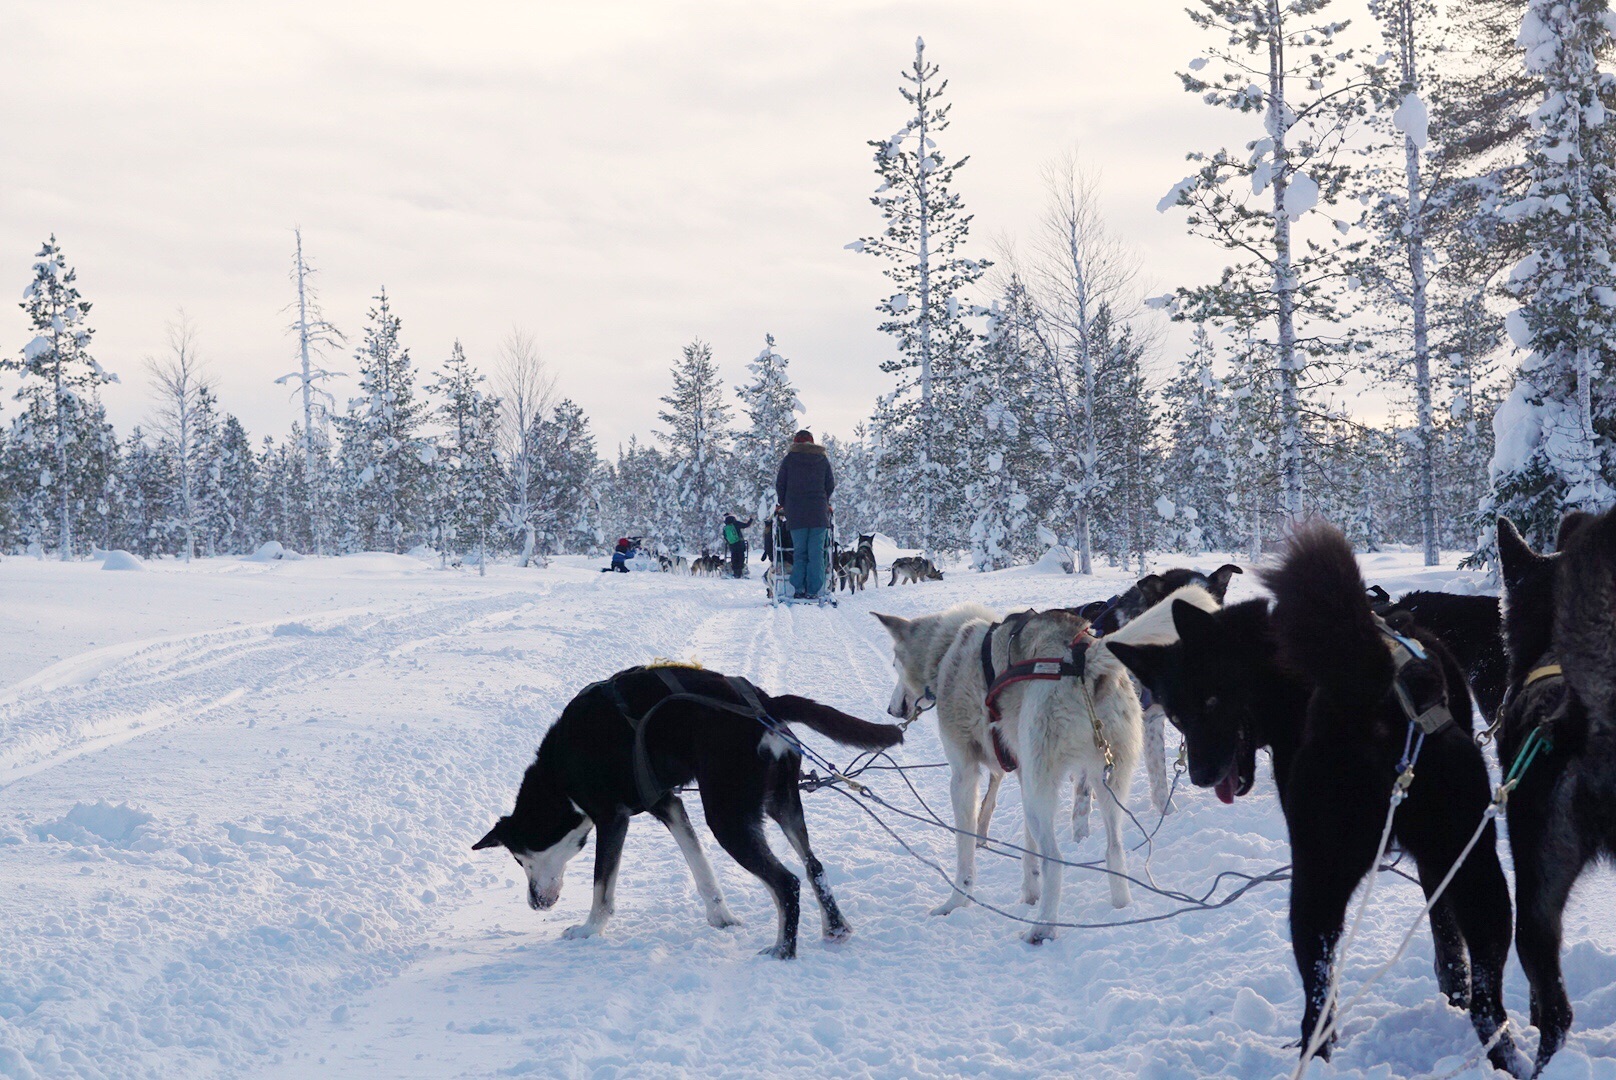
[
  {"x": 734, "y": 529},
  {"x": 804, "y": 487}
]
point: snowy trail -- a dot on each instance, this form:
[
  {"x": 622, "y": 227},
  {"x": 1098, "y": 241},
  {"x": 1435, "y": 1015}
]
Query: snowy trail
[
  {"x": 109, "y": 695},
  {"x": 290, "y": 892}
]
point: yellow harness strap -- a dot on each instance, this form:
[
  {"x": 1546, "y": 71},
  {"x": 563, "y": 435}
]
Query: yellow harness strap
[{"x": 1547, "y": 671}]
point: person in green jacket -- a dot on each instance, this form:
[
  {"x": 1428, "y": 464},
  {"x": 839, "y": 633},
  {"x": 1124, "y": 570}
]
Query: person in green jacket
[{"x": 735, "y": 537}]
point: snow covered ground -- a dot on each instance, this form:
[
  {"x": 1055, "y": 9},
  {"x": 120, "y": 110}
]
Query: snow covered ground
[{"x": 237, "y": 801}]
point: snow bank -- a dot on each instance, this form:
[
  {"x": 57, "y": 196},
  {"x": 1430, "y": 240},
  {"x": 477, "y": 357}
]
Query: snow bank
[
  {"x": 272, "y": 551},
  {"x": 1057, "y": 560},
  {"x": 378, "y": 562},
  {"x": 887, "y": 549},
  {"x": 121, "y": 560},
  {"x": 95, "y": 824}
]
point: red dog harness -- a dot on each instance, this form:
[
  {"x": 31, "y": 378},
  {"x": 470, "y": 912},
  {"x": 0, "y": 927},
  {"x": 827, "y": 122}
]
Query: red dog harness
[{"x": 1043, "y": 668}]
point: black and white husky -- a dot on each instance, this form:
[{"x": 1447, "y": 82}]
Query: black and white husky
[
  {"x": 586, "y": 778},
  {"x": 1109, "y": 616},
  {"x": 1560, "y": 633},
  {"x": 1313, "y": 682}
]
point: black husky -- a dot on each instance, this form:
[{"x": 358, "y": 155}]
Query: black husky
[
  {"x": 1313, "y": 682},
  {"x": 1559, "y": 630},
  {"x": 1471, "y": 628},
  {"x": 1151, "y": 590},
  {"x": 590, "y": 774}
]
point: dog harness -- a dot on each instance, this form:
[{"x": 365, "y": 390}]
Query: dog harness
[
  {"x": 1043, "y": 668},
  {"x": 1431, "y": 714},
  {"x": 650, "y": 789}
]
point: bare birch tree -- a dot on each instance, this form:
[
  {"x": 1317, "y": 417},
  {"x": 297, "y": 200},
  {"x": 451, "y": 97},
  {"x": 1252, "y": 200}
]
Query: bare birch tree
[
  {"x": 180, "y": 384},
  {"x": 314, "y": 335},
  {"x": 1081, "y": 269},
  {"x": 527, "y": 388}
]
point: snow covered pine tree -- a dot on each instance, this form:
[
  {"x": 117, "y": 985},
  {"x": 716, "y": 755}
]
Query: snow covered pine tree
[
  {"x": 1554, "y": 431},
  {"x": 60, "y": 378}
]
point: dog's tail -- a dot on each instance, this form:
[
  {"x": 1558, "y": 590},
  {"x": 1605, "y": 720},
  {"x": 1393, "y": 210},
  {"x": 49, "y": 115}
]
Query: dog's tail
[
  {"x": 834, "y": 724},
  {"x": 1326, "y": 631},
  {"x": 1584, "y": 615}
]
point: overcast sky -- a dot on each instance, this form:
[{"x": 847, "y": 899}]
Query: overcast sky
[{"x": 615, "y": 178}]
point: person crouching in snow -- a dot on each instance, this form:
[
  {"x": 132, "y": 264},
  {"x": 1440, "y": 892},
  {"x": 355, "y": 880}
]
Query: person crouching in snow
[
  {"x": 804, "y": 486},
  {"x": 621, "y": 555},
  {"x": 735, "y": 537}
]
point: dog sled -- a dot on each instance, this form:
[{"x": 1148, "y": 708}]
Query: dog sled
[{"x": 777, "y": 576}]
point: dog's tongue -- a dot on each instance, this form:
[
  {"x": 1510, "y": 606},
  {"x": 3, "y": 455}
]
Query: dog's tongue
[{"x": 1228, "y": 785}]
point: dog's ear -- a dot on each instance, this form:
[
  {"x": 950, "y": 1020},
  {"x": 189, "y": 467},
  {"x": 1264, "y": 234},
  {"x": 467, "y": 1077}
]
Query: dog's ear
[
  {"x": 1570, "y": 525},
  {"x": 1220, "y": 578},
  {"x": 1152, "y": 587},
  {"x": 893, "y": 623},
  {"x": 495, "y": 837},
  {"x": 1194, "y": 626},
  {"x": 1377, "y": 595},
  {"x": 1515, "y": 556}
]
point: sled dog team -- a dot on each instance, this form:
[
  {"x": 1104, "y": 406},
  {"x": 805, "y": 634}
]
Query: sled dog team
[{"x": 1353, "y": 694}]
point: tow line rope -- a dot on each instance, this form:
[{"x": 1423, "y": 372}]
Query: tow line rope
[{"x": 1193, "y": 903}]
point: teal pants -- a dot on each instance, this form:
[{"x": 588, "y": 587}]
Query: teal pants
[{"x": 807, "y": 561}]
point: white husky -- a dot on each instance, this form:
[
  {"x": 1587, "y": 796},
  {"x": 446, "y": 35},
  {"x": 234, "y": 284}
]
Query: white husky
[{"x": 1048, "y": 726}]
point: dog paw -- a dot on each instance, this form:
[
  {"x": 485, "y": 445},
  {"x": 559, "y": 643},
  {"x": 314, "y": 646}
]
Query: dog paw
[
  {"x": 1121, "y": 898},
  {"x": 779, "y": 952},
  {"x": 721, "y": 918},
  {"x": 1030, "y": 895},
  {"x": 579, "y": 932},
  {"x": 1080, "y": 829},
  {"x": 1038, "y": 935},
  {"x": 953, "y": 903},
  {"x": 1516, "y": 1064},
  {"x": 838, "y": 933}
]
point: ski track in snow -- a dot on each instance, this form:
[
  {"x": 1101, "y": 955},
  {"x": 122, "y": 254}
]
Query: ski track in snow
[{"x": 245, "y": 851}]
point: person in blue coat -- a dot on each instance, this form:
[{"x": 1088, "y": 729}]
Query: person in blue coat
[{"x": 804, "y": 486}]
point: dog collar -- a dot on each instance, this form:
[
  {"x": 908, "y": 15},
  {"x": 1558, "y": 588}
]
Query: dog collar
[{"x": 1547, "y": 671}]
